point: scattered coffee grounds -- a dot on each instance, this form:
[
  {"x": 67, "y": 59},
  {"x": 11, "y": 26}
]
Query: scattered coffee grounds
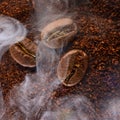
[
  {"x": 107, "y": 8},
  {"x": 16, "y": 8},
  {"x": 98, "y": 36}
]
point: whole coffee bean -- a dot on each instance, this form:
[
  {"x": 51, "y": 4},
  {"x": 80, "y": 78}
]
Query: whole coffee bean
[
  {"x": 72, "y": 67},
  {"x": 24, "y": 53},
  {"x": 58, "y": 33}
]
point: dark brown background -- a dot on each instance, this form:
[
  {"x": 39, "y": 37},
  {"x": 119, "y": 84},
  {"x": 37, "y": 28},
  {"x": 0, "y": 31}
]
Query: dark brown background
[{"x": 98, "y": 35}]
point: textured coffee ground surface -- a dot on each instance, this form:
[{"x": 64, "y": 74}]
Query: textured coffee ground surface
[{"x": 98, "y": 36}]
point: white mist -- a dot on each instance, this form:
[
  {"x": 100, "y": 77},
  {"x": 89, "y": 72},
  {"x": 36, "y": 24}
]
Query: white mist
[
  {"x": 11, "y": 31},
  {"x": 32, "y": 99}
]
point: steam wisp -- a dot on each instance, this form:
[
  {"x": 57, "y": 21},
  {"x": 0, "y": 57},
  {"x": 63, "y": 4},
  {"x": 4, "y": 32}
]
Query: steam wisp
[
  {"x": 11, "y": 31},
  {"x": 35, "y": 92},
  {"x": 33, "y": 98},
  {"x": 2, "y": 105},
  {"x": 67, "y": 109}
]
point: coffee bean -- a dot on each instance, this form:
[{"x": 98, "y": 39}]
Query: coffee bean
[
  {"x": 72, "y": 67},
  {"x": 24, "y": 53},
  {"x": 58, "y": 33}
]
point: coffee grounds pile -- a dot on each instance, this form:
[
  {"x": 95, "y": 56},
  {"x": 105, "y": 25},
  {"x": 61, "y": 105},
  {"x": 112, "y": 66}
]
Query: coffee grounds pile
[
  {"x": 98, "y": 36},
  {"x": 107, "y": 8},
  {"x": 16, "y": 8}
]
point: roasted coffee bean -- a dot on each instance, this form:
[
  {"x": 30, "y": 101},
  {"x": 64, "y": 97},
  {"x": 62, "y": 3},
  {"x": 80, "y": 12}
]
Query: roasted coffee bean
[
  {"x": 58, "y": 33},
  {"x": 24, "y": 53},
  {"x": 72, "y": 67}
]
